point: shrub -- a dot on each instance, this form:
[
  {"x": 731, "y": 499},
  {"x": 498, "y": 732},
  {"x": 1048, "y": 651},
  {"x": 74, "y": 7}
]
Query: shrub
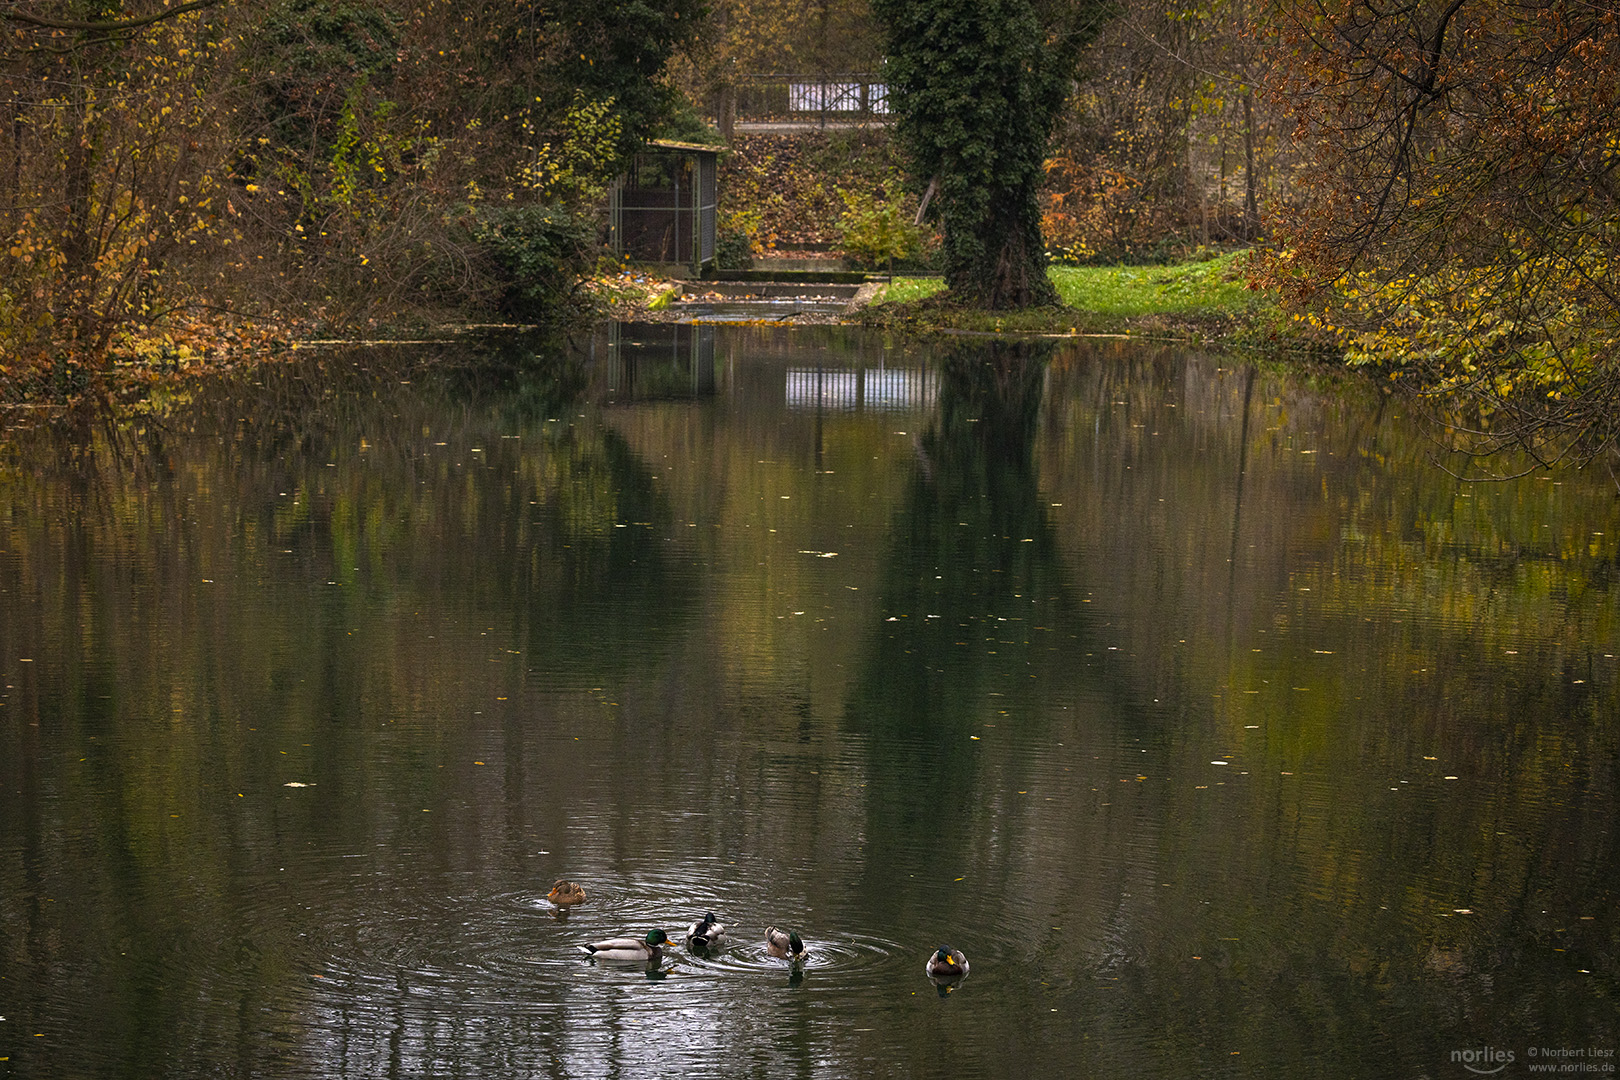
[
  {"x": 734, "y": 251},
  {"x": 738, "y": 240},
  {"x": 540, "y": 253},
  {"x": 874, "y": 231}
]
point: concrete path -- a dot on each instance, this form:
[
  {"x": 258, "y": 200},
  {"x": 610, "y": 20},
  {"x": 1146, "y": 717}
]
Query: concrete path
[{"x": 767, "y": 127}]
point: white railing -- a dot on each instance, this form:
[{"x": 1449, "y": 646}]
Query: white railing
[{"x": 797, "y": 97}]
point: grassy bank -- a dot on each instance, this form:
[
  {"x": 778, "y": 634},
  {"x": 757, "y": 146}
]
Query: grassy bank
[{"x": 1209, "y": 300}]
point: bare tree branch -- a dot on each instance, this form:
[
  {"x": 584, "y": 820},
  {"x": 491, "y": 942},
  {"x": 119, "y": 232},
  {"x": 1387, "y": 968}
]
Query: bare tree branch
[{"x": 108, "y": 26}]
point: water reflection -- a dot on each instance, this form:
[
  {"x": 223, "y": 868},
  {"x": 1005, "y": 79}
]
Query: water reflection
[
  {"x": 852, "y": 390},
  {"x": 973, "y": 612},
  {"x": 1221, "y": 730},
  {"x": 649, "y": 361}
]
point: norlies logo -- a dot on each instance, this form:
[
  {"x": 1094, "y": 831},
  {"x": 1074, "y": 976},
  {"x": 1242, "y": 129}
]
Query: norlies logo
[{"x": 1485, "y": 1061}]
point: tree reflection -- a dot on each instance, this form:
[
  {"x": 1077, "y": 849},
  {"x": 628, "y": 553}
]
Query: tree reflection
[
  {"x": 237, "y": 586},
  {"x": 977, "y": 613},
  {"x": 972, "y": 535},
  {"x": 372, "y": 573},
  {"x": 530, "y": 377}
]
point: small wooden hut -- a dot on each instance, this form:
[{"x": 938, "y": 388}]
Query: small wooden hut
[{"x": 663, "y": 209}]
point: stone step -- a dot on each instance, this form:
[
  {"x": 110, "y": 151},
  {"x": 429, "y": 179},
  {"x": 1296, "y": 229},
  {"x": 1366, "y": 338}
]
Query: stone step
[
  {"x": 799, "y": 265},
  {"x": 769, "y": 273},
  {"x": 770, "y": 290}
]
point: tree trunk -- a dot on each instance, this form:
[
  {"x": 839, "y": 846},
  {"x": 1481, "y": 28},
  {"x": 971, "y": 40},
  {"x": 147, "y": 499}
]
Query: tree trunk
[
  {"x": 13, "y": 199},
  {"x": 1251, "y": 201},
  {"x": 74, "y": 302},
  {"x": 976, "y": 87},
  {"x": 995, "y": 257},
  {"x": 728, "y": 113}
]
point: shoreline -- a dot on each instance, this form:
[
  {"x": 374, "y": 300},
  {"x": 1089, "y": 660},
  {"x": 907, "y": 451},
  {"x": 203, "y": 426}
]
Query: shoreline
[{"x": 206, "y": 348}]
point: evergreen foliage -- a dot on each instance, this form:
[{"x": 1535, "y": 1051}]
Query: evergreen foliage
[
  {"x": 977, "y": 86},
  {"x": 539, "y": 252},
  {"x": 615, "y": 50}
]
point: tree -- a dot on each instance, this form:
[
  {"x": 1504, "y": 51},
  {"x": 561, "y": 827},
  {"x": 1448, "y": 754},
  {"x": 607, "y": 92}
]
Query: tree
[
  {"x": 616, "y": 51},
  {"x": 1460, "y": 224},
  {"x": 111, "y": 163},
  {"x": 977, "y": 86},
  {"x": 323, "y": 157},
  {"x": 1165, "y": 147}
]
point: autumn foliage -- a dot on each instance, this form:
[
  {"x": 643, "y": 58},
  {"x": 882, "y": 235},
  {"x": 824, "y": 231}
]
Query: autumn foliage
[
  {"x": 1459, "y": 222},
  {"x": 315, "y": 162},
  {"x": 783, "y": 189},
  {"x": 1167, "y": 144}
]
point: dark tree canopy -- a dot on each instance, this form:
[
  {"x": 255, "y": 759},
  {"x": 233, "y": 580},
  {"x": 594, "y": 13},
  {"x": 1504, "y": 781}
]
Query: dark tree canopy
[
  {"x": 616, "y": 50},
  {"x": 977, "y": 86}
]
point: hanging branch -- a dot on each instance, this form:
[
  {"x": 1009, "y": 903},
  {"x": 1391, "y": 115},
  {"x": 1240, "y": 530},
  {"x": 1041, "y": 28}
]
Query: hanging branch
[{"x": 108, "y": 26}]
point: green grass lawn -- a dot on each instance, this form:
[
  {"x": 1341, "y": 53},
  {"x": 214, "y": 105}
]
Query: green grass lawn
[
  {"x": 1212, "y": 287},
  {"x": 905, "y": 290},
  {"x": 1215, "y": 286}
]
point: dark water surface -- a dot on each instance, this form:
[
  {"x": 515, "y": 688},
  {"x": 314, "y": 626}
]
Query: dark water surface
[{"x": 1222, "y": 729}]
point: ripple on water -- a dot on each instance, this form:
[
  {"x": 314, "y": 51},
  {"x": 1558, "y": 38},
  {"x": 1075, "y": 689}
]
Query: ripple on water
[
  {"x": 489, "y": 946},
  {"x": 502, "y": 964},
  {"x": 398, "y": 959},
  {"x": 851, "y": 960}
]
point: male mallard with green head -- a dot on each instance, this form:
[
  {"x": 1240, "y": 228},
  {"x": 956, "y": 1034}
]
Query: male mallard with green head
[
  {"x": 788, "y": 946},
  {"x": 947, "y": 963},
  {"x": 706, "y": 932},
  {"x": 648, "y": 949}
]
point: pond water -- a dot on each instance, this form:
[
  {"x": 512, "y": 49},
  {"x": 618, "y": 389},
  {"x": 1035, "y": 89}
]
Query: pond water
[{"x": 1222, "y": 729}]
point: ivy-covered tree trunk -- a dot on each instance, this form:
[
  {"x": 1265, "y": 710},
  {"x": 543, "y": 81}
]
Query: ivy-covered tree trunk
[{"x": 976, "y": 86}]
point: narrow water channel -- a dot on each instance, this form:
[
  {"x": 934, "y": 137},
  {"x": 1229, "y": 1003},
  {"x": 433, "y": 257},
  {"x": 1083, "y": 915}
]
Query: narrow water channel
[{"x": 1220, "y": 726}]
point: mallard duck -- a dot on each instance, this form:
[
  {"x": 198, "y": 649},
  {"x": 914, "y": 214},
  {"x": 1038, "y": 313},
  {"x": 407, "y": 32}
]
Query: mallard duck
[
  {"x": 566, "y": 892},
  {"x": 947, "y": 963},
  {"x": 788, "y": 945},
  {"x": 706, "y": 932},
  {"x": 645, "y": 949}
]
